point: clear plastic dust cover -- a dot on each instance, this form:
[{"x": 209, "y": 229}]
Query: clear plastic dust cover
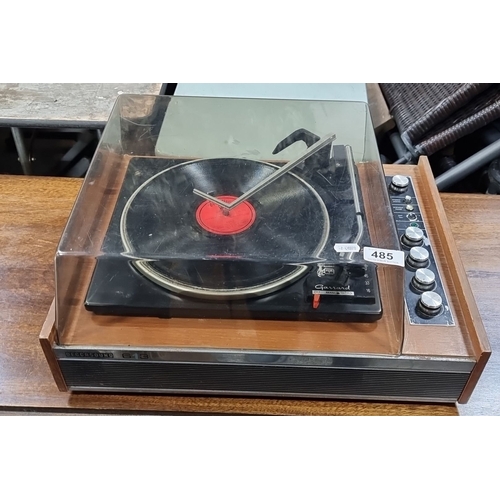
[{"x": 230, "y": 209}]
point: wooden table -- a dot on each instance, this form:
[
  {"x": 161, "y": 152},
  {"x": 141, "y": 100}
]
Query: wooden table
[{"x": 33, "y": 212}]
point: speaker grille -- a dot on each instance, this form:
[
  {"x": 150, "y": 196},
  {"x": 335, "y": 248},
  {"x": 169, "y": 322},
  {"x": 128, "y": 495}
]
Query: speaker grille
[{"x": 134, "y": 376}]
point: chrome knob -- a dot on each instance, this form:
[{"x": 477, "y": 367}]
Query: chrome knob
[
  {"x": 399, "y": 183},
  {"x": 413, "y": 236},
  {"x": 430, "y": 303},
  {"x": 424, "y": 280},
  {"x": 418, "y": 257}
]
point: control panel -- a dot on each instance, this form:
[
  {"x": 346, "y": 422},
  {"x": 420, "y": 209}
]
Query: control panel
[{"x": 425, "y": 297}]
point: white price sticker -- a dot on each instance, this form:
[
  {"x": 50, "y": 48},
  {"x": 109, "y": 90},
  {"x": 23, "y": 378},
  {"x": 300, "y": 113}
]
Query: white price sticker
[
  {"x": 384, "y": 256},
  {"x": 346, "y": 247}
]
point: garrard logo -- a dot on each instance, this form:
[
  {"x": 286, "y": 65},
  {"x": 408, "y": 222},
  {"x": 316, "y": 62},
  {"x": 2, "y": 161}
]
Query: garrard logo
[{"x": 322, "y": 287}]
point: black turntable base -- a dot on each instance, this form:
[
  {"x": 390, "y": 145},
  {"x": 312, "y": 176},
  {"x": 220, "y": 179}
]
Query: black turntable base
[
  {"x": 169, "y": 253},
  {"x": 132, "y": 295}
]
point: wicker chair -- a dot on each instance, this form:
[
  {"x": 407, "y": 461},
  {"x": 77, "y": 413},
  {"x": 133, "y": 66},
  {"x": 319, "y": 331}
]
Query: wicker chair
[{"x": 431, "y": 117}]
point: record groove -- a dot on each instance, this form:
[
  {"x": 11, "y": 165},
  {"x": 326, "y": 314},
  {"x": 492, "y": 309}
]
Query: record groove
[{"x": 171, "y": 243}]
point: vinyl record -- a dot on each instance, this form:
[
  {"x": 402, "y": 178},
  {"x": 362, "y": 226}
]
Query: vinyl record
[{"x": 190, "y": 245}]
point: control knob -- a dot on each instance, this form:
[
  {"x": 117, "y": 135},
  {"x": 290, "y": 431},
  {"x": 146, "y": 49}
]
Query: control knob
[
  {"x": 424, "y": 280},
  {"x": 430, "y": 304},
  {"x": 418, "y": 257},
  {"x": 413, "y": 236},
  {"x": 399, "y": 183}
]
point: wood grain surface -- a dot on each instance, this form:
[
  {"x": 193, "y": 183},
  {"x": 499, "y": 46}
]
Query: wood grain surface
[
  {"x": 379, "y": 111},
  {"x": 475, "y": 224},
  {"x": 33, "y": 212}
]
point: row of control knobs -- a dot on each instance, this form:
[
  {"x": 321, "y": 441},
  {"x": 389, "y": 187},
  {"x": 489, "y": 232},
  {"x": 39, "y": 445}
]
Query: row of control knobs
[{"x": 430, "y": 303}]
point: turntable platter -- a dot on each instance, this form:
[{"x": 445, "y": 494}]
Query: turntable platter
[{"x": 193, "y": 246}]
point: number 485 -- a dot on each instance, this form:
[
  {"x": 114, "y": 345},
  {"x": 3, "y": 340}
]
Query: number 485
[{"x": 383, "y": 255}]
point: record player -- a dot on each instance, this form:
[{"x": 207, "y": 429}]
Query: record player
[{"x": 257, "y": 247}]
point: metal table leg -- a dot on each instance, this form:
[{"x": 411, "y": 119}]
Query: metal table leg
[
  {"x": 468, "y": 166},
  {"x": 21, "y": 150}
]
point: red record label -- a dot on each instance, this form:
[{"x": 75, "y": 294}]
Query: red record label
[{"x": 218, "y": 220}]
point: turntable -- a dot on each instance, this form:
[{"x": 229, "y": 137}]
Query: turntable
[{"x": 257, "y": 247}]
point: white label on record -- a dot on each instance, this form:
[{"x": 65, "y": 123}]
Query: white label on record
[
  {"x": 346, "y": 247},
  {"x": 384, "y": 256}
]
